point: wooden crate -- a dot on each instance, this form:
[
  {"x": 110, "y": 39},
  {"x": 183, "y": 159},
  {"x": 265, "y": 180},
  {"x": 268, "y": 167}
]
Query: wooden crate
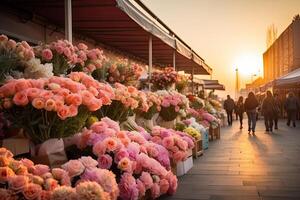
[
  {"x": 198, "y": 150},
  {"x": 214, "y": 133}
]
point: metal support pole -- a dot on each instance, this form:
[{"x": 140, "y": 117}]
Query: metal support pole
[
  {"x": 193, "y": 80},
  {"x": 150, "y": 61},
  {"x": 68, "y": 20},
  {"x": 174, "y": 59}
]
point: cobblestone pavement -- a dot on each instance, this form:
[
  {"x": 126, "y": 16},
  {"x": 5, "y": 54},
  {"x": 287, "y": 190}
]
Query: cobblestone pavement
[{"x": 239, "y": 166}]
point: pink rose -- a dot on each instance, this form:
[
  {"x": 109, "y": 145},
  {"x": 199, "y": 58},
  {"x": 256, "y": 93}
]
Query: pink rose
[
  {"x": 58, "y": 173},
  {"x": 18, "y": 182},
  {"x": 50, "y": 184},
  {"x": 20, "y": 99},
  {"x": 32, "y": 191},
  {"x": 63, "y": 112},
  {"x": 99, "y": 148},
  {"x": 47, "y": 54},
  {"x": 104, "y": 161},
  {"x": 40, "y": 169},
  {"x": 111, "y": 144},
  {"x": 73, "y": 167}
]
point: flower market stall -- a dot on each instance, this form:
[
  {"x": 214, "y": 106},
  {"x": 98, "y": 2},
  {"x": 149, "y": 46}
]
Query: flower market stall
[{"x": 74, "y": 124}]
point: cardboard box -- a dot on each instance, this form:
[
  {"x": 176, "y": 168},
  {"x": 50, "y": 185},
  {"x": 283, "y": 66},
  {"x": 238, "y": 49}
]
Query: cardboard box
[
  {"x": 17, "y": 145},
  {"x": 188, "y": 164}
]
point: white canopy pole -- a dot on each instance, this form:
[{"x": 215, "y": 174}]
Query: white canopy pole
[
  {"x": 193, "y": 79},
  {"x": 174, "y": 59},
  {"x": 150, "y": 61},
  {"x": 68, "y": 20}
]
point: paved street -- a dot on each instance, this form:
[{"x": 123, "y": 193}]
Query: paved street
[{"x": 244, "y": 167}]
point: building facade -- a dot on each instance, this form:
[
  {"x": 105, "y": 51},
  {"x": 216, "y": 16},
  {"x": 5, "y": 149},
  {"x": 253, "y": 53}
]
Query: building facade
[{"x": 283, "y": 56}]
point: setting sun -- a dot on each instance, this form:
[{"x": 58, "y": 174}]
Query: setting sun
[{"x": 249, "y": 64}]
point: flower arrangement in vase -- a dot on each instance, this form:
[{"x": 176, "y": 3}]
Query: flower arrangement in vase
[
  {"x": 17, "y": 60},
  {"x": 164, "y": 79},
  {"x": 172, "y": 104}
]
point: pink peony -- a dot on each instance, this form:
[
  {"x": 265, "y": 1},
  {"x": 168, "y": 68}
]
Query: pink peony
[
  {"x": 146, "y": 179},
  {"x": 155, "y": 191},
  {"x": 120, "y": 154},
  {"x": 64, "y": 192},
  {"x": 88, "y": 161},
  {"x": 128, "y": 187},
  {"x": 104, "y": 161},
  {"x": 164, "y": 186},
  {"x": 141, "y": 188},
  {"x": 125, "y": 165},
  {"x": 73, "y": 167},
  {"x": 168, "y": 142}
]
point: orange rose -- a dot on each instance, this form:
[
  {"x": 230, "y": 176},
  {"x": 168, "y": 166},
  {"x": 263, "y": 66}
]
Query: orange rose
[
  {"x": 5, "y": 173},
  {"x": 38, "y": 103},
  {"x": 50, "y": 105}
]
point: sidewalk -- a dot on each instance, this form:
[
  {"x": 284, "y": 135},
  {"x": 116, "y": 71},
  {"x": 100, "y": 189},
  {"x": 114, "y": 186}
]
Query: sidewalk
[{"x": 243, "y": 167}]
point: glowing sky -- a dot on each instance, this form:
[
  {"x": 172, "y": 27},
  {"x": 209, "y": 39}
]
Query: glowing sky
[{"x": 226, "y": 33}]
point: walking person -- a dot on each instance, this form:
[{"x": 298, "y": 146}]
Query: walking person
[
  {"x": 277, "y": 110},
  {"x": 236, "y": 111},
  {"x": 240, "y": 110},
  {"x": 268, "y": 111},
  {"x": 250, "y": 106},
  {"x": 229, "y": 107},
  {"x": 291, "y": 106}
]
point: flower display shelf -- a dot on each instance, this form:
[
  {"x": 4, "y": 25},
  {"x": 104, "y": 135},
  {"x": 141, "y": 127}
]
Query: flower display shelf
[
  {"x": 205, "y": 139},
  {"x": 214, "y": 133},
  {"x": 181, "y": 168},
  {"x": 198, "y": 150}
]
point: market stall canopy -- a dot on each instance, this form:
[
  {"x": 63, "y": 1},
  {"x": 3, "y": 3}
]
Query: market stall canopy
[
  {"x": 119, "y": 24},
  {"x": 209, "y": 84},
  {"x": 292, "y": 78}
]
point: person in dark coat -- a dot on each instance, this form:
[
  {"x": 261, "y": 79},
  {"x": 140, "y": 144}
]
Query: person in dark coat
[
  {"x": 251, "y": 105},
  {"x": 291, "y": 106},
  {"x": 268, "y": 111},
  {"x": 277, "y": 110},
  {"x": 229, "y": 107},
  {"x": 240, "y": 110}
]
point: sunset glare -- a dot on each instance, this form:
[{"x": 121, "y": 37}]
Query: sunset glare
[{"x": 249, "y": 64}]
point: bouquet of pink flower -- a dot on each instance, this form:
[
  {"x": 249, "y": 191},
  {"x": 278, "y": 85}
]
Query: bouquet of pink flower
[
  {"x": 176, "y": 142},
  {"x": 136, "y": 162},
  {"x": 164, "y": 79},
  {"x": 13, "y": 56},
  {"x": 150, "y": 106},
  {"x": 124, "y": 71},
  {"x": 172, "y": 104},
  {"x": 61, "y": 53},
  {"x": 125, "y": 101},
  {"x": 55, "y": 107},
  {"x": 77, "y": 179}
]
